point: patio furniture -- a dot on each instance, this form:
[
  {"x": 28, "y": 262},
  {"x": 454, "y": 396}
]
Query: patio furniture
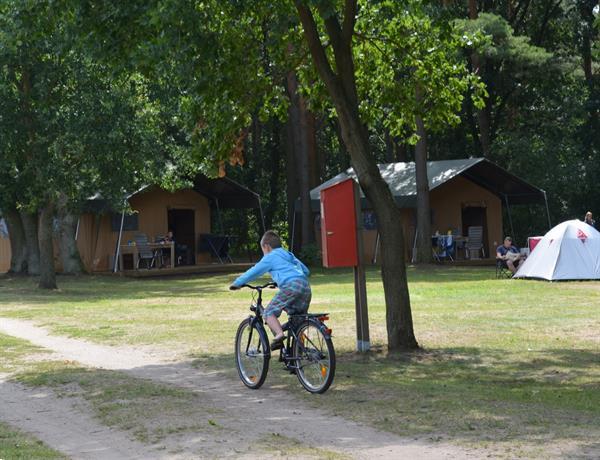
[
  {"x": 217, "y": 246},
  {"x": 144, "y": 251},
  {"x": 475, "y": 243},
  {"x": 444, "y": 247}
]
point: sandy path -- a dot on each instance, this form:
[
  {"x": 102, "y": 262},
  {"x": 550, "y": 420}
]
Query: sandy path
[
  {"x": 62, "y": 424},
  {"x": 251, "y": 414}
]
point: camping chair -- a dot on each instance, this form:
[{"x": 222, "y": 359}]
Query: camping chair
[
  {"x": 475, "y": 243},
  {"x": 144, "y": 251},
  {"x": 446, "y": 247},
  {"x": 502, "y": 271}
]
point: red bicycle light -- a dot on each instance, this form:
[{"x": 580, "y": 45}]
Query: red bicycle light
[
  {"x": 328, "y": 331},
  {"x": 324, "y": 318}
]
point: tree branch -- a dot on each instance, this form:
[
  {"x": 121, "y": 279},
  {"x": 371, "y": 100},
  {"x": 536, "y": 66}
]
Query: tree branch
[
  {"x": 314, "y": 44},
  {"x": 350, "y": 11}
]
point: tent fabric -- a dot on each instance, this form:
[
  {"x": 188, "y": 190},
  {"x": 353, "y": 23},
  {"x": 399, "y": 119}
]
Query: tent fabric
[
  {"x": 569, "y": 251},
  {"x": 222, "y": 191},
  {"x": 401, "y": 178}
]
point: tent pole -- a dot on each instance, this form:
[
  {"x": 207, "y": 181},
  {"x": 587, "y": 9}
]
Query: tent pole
[
  {"x": 374, "y": 261},
  {"x": 413, "y": 259},
  {"x": 77, "y": 228},
  {"x": 219, "y": 216},
  {"x": 262, "y": 216},
  {"x": 512, "y": 230},
  {"x": 293, "y": 230},
  {"x": 547, "y": 209},
  {"x": 116, "y": 264}
]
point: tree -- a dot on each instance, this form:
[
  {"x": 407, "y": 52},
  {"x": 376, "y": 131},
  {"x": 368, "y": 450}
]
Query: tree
[{"x": 77, "y": 128}]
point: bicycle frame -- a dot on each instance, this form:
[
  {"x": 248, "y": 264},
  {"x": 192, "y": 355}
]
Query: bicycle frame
[{"x": 256, "y": 320}]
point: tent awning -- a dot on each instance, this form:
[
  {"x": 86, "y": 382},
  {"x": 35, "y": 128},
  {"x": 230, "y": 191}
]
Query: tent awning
[
  {"x": 224, "y": 192},
  {"x": 401, "y": 178}
]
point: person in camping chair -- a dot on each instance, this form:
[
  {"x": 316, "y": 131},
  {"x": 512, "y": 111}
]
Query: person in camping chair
[{"x": 509, "y": 254}]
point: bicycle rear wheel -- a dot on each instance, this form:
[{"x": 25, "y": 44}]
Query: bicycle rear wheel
[
  {"x": 315, "y": 357},
  {"x": 251, "y": 354}
]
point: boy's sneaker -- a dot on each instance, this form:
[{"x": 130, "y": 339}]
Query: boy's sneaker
[{"x": 277, "y": 343}]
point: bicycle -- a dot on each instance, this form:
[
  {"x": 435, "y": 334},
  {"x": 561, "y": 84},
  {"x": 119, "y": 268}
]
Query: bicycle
[{"x": 307, "y": 348}]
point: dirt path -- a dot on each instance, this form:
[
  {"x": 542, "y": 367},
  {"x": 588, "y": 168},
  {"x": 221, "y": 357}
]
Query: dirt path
[
  {"x": 250, "y": 414},
  {"x": 63, "y": 423}
]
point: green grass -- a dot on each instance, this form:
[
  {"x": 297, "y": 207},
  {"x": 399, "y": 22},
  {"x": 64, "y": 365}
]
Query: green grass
[
  {"x": 284, "y": 447},
  {"x": 16, "y": 445},
  {"x": 13, "y": 352},
  {"x": 503, "y": 361},
  {"x": 148, "y": 410}
]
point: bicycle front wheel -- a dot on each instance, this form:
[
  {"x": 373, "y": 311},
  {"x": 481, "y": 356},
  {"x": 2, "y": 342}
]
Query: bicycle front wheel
[
  {"x": 251, "y": 354},
  {"x": 315, "y": 358}
]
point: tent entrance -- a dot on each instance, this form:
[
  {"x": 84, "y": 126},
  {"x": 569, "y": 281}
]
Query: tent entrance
[
  {"x": 473, "y": 215},
  {"x": 181, "y": 223}
]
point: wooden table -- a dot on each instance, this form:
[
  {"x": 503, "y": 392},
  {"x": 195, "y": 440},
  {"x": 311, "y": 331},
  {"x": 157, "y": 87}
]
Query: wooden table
[{"x": 134, "y": 249}]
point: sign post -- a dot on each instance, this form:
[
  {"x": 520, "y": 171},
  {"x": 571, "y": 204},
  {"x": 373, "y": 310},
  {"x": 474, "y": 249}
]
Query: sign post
[{"x": 341, "y": 236}]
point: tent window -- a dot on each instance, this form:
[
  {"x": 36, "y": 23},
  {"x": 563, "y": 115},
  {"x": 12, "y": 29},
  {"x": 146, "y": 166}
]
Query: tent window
[{"x": 129, "y": 224}]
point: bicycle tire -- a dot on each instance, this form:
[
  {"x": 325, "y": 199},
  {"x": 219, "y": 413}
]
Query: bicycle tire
[
  {"x": 317, "y": 352},
  {"x": 252, "y": 354}
]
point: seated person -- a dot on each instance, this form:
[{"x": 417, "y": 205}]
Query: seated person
[
  {"x": 166, "y": 253},
  {"x": 509, "y": 254},
  {"x": 589, "y": 219}
]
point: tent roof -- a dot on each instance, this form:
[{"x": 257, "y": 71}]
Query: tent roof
[
  {"x": 401, "y": 179},
  {"x": 224, "y": 192}
]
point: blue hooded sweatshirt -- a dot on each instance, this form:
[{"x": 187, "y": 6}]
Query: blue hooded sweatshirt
[{"x": 282, "y": 265}]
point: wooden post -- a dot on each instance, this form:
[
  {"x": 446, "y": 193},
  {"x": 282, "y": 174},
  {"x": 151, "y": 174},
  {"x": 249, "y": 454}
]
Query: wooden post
[{"x": 363, "y": 342}]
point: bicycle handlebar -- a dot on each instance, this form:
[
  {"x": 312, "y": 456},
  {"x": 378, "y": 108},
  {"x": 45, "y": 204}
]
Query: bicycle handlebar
[{"x": 270, "y": 285}]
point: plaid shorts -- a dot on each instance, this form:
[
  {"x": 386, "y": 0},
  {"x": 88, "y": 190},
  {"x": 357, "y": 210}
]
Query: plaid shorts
[{"x": 293, "y": 297}]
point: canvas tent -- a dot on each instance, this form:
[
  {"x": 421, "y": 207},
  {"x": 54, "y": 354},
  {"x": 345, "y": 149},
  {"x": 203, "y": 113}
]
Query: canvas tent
[
  {"x": 570, "y": 251},
  {"x": 189, "y": 212},
  {"x": 463, "y": 193}
]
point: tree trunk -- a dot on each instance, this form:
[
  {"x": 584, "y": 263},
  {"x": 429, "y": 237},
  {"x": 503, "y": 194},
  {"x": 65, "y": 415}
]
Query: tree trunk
[
  {"x": 30, "y": 226},
  {"x": 483, "y": 114},
  {"x": 424, "y": 254},
  {"x": 18, "y": 245},
  {"x": 300, "y": 132},
  {"x": 47, "y": 270},
  {"x": 69, "y": 253},
  {"x": 275, "y": 171},
  {"x": 341, "y": 86},
  {"x": 292, "y": 189}
]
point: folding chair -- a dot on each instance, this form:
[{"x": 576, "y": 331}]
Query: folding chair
[
  {"x": 144, "y": 251},
  {"x": 502, "y": 271}
]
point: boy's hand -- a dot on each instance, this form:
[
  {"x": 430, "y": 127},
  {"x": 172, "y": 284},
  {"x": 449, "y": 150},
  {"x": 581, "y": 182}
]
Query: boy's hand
[{"x": 234, "y": 288}]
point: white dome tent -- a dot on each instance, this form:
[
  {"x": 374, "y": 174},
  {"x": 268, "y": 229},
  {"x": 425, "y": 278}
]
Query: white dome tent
[{"x": 569, "y": 251}]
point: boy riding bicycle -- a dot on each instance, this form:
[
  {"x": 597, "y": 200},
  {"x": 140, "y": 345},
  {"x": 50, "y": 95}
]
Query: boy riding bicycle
[{"x": 291, "y": 276}]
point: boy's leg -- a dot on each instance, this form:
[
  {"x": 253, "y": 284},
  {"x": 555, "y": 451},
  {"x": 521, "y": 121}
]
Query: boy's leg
[{"x": 275, "y": 325}]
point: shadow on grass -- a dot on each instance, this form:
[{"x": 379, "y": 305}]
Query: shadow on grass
[
  {"x": 511, "y": 404},
  {"x": 17, "y": 289},
  {"x": 547, "y": 401}
]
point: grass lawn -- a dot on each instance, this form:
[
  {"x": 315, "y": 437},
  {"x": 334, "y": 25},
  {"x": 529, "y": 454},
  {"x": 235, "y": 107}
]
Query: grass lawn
[
  {"x": 504, "y": 362},
  {"x": 15, "y": 445}
]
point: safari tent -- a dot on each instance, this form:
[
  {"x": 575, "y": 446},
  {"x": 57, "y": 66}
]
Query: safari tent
[
  {"x": 570, "y": 251},
  {"x": 188, "y": 212},
  {"x": 463, "y": 193}
]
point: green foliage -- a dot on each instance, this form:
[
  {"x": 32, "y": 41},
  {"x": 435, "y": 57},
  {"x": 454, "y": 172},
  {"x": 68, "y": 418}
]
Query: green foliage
[
  {"x": 310, "y": 255},
  {"x": 502, "y": 45},
  {"x": 73, "y": 127},
  {"x": 408, "y": 64}
]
